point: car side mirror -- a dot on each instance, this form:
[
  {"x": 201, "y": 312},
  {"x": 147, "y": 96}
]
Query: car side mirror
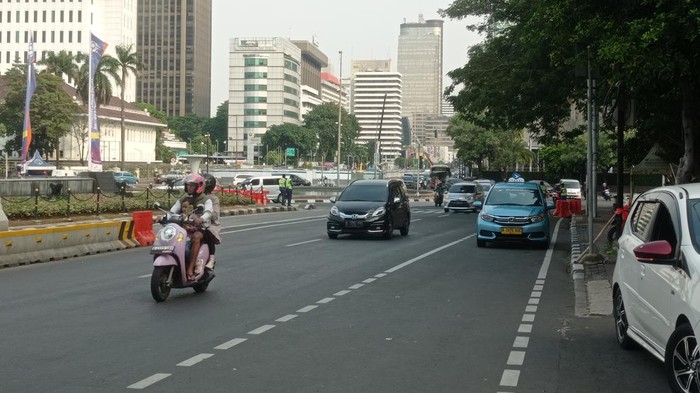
[
  {"x": 478, "y": 204},
  {"x": 397, "y": 200},
  {"x": 656, "y": 252},
  {"x": 332, "y": 200}
]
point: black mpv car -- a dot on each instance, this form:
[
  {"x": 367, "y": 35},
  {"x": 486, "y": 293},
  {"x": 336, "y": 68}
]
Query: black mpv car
[{"x": 375, "y": 207}]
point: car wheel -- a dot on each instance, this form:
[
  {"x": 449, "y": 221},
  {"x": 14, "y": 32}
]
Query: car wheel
[
  {"x": 389, "y": 229},
  {"x": 447, "y": 210},
  {"x": 404, "y": 230},
  {"x": 621, "y": 325},
  {"x": 480, "y": 242},
  {"x": 682, "y": 358},
  {"x": 332, "y": 235}
]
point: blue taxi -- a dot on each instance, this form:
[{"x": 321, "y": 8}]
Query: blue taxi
[{"x": 514, "y": 211}]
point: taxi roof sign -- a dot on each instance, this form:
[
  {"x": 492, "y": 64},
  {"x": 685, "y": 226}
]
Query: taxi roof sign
[{"x": 516, "y": 178}]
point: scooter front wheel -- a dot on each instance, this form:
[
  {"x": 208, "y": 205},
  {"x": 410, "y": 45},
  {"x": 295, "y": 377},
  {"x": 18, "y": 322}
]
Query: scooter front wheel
[{"x": 160, "y": 287}]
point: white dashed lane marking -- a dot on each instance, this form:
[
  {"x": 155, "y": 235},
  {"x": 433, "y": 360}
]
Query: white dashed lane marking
[
  {"x": 232, "y": 343},
  {"x": 516, "y": 358},
  {"x": 144, "y": 383},
  {"x": 195, "y": 359}
]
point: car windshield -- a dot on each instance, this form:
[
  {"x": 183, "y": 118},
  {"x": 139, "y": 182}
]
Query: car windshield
[
  {"x": 514, "y": 196},
  {"x": 485, "y": 185},
  {"x": 462, "y": 189},
  {"x": 572, "y": 184},
  {"x": 364, "y": 192}
]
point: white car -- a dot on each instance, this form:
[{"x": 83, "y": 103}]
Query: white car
[
  {"x": 656, "y": 282},
  {"x": 573, "y": 188}
]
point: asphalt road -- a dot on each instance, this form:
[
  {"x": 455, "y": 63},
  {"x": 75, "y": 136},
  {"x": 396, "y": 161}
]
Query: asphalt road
[{"x": 293, "y": 311}]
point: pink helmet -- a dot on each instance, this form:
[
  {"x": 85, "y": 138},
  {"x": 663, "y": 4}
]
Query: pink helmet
[{"x": 194, "y": 178}]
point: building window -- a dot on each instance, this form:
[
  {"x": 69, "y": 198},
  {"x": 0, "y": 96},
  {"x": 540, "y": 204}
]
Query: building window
[
  {"x": 291, "y": 102},
  {"x": 293, "y": 115},
  {"x": 256, "y": 75},
  {"x": 291, "y": 90},
  {"x": 255, "y": 61},
  {"x": 255, "y": 124},
  {"x": 255, "y": 87},
  {"x": 255, "y": 112},
  {"x": 254, "y": 99},
  {"x": 291, "y": 78}
]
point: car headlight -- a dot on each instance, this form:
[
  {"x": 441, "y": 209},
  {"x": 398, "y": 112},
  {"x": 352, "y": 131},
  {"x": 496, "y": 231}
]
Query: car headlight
[
  {"x": 487, "y": 217},
  {"x": 537, "y": 218},
  {"x": 470, "y": 199},
  {"x": 379, "y": 212},
  {"x": 334, "y": 211}
]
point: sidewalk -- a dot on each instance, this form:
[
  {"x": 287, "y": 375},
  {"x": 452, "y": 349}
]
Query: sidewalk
[{"x": 592, "y": 271}]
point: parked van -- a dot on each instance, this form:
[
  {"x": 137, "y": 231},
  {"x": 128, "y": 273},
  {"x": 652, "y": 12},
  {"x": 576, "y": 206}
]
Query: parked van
[{"x": 267, "y": 183}]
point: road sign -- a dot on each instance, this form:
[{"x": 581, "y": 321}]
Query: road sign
[{"x": 291, "y": 152}]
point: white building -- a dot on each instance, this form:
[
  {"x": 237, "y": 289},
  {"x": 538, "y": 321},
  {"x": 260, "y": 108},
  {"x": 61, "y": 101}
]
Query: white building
[
  {"x": 140, "y": 129},
  {"x": 330, "y": 86},
  {"x": 66, "y": 25},
  {"x": 264, "y": 90},
  {"x": 376, "y": 103}
]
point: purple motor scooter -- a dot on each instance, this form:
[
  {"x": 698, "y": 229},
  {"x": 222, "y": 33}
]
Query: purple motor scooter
[{"x": 171, "y": 252}]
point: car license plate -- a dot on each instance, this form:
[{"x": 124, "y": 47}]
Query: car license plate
[
  {"x": 512, "y": 231},
  {"x": 353, "y": 224}
]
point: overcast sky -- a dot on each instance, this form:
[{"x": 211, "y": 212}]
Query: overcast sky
[{"x": 362, "y": 29}]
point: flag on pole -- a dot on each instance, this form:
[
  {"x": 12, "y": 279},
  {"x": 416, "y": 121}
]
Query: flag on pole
[
  {"x": 97, "y": 49},
  {"x": 31, "y": 87}
]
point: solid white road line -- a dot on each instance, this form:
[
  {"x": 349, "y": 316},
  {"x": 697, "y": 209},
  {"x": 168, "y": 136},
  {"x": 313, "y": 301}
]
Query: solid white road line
[
  {"x": 195, "y": 359},
  {"x": 269, "y": 226}
]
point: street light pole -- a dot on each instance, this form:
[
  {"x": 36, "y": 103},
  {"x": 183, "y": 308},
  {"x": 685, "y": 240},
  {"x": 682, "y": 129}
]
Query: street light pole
[
  {"x": 340, "y": 95},
  {"x": 207, "y": 136}
]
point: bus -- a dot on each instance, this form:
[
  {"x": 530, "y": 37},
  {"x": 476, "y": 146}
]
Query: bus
[{"x": 441, "y": 172}]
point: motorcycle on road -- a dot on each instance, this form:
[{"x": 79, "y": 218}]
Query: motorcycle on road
[{"x": 171, "y": 252}]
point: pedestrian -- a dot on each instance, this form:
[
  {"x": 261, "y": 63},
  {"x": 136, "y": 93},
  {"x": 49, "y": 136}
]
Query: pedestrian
[
  {"x": 283, "y": 188},
  {"x": 289, "y": 191},
  {"x": 543, "y": 188}
]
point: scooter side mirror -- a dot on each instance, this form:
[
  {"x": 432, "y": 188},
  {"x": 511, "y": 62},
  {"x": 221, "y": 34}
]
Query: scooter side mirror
[{"x": 156, "y": 205}]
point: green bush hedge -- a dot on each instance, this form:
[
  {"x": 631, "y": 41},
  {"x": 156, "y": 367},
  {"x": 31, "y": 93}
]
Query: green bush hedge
[{"x": 17, "y": 208}]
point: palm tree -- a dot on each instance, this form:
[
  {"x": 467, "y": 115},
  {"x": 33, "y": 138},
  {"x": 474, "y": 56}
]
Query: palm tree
[
  {"x": 106, "y": 68},
  {"x": 128, "y": 63},
  {"x": 60, "y": 64}
]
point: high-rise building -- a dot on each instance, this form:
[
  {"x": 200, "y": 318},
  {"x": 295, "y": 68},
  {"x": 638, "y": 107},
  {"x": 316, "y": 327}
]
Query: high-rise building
[
  {"x": 330, "y": 87},
  {"x": 376, "y": 104},
  {"x": 174, "y": 43},
  {"x": 420, "y": 64},
  {"x": 264, "y": 90},
  {"x": 56, "y": 26},
  {"x": 312, "y": 61}
]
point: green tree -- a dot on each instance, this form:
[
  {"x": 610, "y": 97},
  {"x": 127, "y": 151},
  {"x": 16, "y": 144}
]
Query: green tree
[
  {"x": 218, "y": 126},
  {"x": 188, "y": 127},
  {"x": 127, "y": 62},
  {"x": 60, "y": 64},
  {"x": 323, "y": 121},
  {"x": 106, "y": 71},
  {"x": 51, "y": 112},
  {"x": 283, "y": 136},
  {"x": 523, "y": 74}
]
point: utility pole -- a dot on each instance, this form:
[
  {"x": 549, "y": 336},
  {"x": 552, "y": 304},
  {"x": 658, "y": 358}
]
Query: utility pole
[{"x": 340, "y": 95}]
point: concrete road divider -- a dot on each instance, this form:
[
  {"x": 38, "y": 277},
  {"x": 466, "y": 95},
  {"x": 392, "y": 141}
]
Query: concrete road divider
[{"x": 33, "y": 245}]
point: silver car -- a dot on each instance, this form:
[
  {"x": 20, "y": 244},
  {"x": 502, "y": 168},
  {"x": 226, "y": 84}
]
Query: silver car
[{"x": 461, "y": 196}]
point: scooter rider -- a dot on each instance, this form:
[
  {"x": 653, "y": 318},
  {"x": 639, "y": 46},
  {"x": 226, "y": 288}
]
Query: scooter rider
[
  {"x": 212, "y": 235},
  {"x": 194, "y": 186}
]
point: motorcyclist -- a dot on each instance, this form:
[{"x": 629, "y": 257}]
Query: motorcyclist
[
  {"x": 439, "y": 191},
  {"x": 194, "y": 187},
  {"x": 212, "y": 235}
]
